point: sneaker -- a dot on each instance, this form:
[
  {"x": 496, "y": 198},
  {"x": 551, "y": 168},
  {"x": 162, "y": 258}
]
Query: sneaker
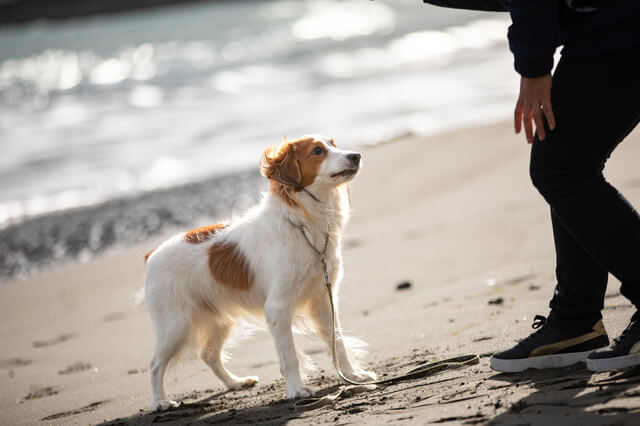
[
  {"x": 550, "y": 347},
  {"x": 624, "y": 352}
]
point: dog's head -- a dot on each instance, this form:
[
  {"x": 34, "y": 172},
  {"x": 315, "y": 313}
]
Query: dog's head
[{"x": 311, "y": 160}]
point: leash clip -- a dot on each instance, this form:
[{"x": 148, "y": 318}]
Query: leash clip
[{"x": 327, "y": 280}]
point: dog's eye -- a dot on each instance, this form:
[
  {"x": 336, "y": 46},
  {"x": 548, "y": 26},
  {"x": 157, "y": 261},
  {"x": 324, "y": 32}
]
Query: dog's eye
[{"x": 317, "y": 150}]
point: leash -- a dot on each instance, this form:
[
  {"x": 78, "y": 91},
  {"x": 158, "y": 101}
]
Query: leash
[
  {"x": 296, "y": 185},
  {"x": 422, "y": 370}
]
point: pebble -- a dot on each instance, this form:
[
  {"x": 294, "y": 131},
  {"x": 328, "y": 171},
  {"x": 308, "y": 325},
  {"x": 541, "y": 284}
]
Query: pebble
[{"x": 405, "y": 285}]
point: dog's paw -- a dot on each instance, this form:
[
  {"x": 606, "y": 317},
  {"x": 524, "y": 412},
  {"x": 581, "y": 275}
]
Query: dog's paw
[
  {"x": 244, "y": 383},
  {"x": 361, "y": 376},
  {"x": 300, "y": 392},
  {"x": 162, "y": 405}
]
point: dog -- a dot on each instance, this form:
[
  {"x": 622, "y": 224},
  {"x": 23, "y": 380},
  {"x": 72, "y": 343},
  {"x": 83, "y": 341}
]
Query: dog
[{"x": 266, "y": 263}]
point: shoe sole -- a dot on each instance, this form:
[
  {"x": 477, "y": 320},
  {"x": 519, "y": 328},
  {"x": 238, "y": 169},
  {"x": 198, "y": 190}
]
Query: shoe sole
[
  {"x": 538, "y": 362},
  {"x": 615, "y": 363}
]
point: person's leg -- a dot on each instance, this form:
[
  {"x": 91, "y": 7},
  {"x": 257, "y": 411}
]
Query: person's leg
[
  {"x": 596, "y": 103},
  {"x": 581, "y": 283}
]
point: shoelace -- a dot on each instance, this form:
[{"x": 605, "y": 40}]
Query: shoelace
[
  {"x": 538, "y": 321},
  {"x": 627, "y": 332}
]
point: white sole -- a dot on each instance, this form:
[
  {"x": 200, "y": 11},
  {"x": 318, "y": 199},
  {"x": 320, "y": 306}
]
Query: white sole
[
  {"x": 617, "y": 363},
  {"x": 539, "y": 362}
]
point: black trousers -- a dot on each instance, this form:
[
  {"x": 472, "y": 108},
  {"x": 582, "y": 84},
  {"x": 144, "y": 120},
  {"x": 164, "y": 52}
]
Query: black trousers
[{"x": 596, "y": 102}]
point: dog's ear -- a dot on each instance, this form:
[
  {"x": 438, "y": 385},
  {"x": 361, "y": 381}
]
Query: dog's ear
[{"x": 280, "y": 163}]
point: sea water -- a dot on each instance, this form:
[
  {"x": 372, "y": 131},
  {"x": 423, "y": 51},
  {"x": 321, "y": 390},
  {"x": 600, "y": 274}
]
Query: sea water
[{"x": 99, "y": 108}]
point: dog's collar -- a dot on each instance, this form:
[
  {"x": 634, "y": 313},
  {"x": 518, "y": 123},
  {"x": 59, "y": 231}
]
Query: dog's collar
[{"x": 296, "y": 185}]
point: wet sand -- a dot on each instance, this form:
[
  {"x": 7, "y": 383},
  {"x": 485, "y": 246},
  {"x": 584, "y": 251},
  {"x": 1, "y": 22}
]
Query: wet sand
[{"x": 454, "y": 215}]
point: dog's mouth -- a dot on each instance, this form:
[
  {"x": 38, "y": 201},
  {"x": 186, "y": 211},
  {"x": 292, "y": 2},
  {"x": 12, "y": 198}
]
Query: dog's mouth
[{"x": 346, "y": 173}]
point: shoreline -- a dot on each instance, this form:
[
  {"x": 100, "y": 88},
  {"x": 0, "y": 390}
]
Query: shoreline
[
  {"x": 454, "y": 215},
  {"x": 39, "y": 244}
]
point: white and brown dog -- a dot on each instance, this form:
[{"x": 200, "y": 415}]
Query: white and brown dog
[{"x": 263, "y": 263}]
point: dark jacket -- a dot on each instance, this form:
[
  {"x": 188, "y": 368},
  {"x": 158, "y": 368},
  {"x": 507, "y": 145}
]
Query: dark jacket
[
  {"x": 584, "y": 27},
  {"x": 488, "y": 5}
]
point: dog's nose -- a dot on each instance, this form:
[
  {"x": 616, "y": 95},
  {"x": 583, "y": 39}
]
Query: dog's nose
[{"x": 354, "y": 158}]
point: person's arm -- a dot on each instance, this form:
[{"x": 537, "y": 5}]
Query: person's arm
[
  {"x": 533, "y": 38},
  {"x": 488, "y": 5}
]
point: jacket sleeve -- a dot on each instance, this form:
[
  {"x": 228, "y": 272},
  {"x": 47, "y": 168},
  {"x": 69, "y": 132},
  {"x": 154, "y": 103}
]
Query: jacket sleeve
[
  {"x": 533, "y": 35},
  {"x": 487, "y": 5}
]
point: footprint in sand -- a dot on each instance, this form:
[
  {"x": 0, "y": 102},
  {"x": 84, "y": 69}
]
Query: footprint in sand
[
  {"x": 7, "y": 364},
  {"x": 75, "y": 368},
  {"x": 58, "y": 339},
  {"x": 114, "y": 316},
  {"x": 91, "y": 407},
  {"x": 40, "y": 392},
  {"x": 482, "y": 339},
  {"x": 10, "y": 364}
]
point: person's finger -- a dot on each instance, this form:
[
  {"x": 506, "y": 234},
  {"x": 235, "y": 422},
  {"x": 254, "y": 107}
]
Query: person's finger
[
  {"x": 528, "y": 130},
  {"x": 548, "y": 113},
  {"x": 537, "y": 119},
  {"x": 517, "y": 116}
]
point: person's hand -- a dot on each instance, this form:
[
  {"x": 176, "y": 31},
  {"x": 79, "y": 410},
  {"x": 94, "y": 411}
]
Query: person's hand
[{"x": 534, "y": 100}]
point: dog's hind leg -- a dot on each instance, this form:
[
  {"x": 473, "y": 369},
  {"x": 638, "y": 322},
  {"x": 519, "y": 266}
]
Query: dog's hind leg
[
  {"x": 212, "y": 355},
  {"x": 171, "y": 337}
]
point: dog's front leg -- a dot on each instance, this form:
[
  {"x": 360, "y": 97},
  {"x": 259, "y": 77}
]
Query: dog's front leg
[
  {"x": 321, "y": 314},
  {"x": 279, "y": 317}
]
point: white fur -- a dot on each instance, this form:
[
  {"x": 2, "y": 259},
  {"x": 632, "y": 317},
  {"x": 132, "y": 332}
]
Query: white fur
[{"x": 190, "y": 310}]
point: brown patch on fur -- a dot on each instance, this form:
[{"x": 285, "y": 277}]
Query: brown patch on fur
[
  {"x": 292, "y": 164},
  {"x": 309, "y": 163},
  {"x": 226, "y": 263},
  {"x": 146, "y": 256},
  {"x": 229, "y": 266},
  {"x": 200, "y": 235}
]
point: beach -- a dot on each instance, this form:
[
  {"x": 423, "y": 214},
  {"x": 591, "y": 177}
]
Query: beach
[{"x": 454, "y": 215}]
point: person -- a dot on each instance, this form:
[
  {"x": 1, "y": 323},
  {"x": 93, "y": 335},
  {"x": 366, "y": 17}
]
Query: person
[{"x": 574, "y": 120}]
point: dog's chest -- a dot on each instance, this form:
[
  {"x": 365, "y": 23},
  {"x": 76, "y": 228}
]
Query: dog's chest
[{"x": 314, "y": 276}]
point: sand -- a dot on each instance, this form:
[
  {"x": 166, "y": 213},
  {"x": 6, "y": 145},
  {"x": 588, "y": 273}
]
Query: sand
[{"x": 454, "y": 215}]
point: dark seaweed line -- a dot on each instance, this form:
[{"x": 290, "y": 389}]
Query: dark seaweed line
[{"x": 42, "y": 242}]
